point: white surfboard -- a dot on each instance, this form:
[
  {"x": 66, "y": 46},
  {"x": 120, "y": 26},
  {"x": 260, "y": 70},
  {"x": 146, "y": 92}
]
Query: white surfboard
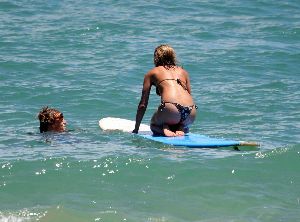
[
  {"x": 125, "y": 125},
  {"x": 189, "y": 140}
]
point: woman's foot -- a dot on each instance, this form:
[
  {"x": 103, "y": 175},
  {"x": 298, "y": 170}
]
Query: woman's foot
[
  {"x": 180, "y": 130},
  {"x": 167, "y": 131},
  {"x": 179, "y": 133}
]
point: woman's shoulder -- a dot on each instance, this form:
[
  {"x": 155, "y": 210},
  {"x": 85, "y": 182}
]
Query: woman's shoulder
[
  {"x": 157, "y": 69},
  {"x": 183, "y": 72},
  {"x": 154, "y": 71},
  {"x": 181, "y": 69},
  {"x": 161, "y": 71}
]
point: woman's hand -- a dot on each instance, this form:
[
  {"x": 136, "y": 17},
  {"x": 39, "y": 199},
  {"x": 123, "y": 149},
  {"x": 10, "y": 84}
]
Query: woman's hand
[{"x": 135, "y": 131}]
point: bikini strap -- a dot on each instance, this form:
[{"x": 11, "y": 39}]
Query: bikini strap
[
  {"x": 165, "y": 80},
  {"x": 180, "y": 83},
  {"x": 162, "y": 105}
]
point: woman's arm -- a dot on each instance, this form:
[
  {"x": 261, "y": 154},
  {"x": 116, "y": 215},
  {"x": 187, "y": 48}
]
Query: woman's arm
[{"x": 143, "y": 102}]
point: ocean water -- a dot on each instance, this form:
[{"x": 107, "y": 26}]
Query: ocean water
[{"x": 88, "y": 59}]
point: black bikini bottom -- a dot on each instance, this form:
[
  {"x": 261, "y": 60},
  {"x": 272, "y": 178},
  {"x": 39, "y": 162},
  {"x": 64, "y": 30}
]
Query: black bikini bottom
[{"x": 184, "y": 111}]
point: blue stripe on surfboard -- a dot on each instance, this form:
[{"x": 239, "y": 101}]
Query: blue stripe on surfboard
[{"x": 191, "y": 140}]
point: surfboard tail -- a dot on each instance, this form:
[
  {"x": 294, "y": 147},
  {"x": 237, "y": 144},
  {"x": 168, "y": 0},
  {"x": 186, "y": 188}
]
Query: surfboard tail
[{"x": 248, "y": 143}]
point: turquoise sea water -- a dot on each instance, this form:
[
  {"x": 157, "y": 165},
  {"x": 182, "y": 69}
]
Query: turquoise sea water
[{"x": 88, "y": 58}]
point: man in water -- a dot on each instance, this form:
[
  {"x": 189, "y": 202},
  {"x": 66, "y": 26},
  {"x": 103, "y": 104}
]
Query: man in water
[{"x": 51, "y": 120}]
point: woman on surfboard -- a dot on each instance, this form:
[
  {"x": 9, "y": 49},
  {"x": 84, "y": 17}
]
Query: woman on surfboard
[
  {"x": 177, "y": 109},
  {"x": 51, "y": 120}
]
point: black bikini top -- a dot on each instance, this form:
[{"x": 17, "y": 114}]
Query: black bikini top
[{"x": 179, "y": 82}]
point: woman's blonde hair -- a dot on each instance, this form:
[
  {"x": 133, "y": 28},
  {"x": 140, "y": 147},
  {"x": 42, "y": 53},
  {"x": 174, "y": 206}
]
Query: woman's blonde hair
[{"x": 164, "y": 55}]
